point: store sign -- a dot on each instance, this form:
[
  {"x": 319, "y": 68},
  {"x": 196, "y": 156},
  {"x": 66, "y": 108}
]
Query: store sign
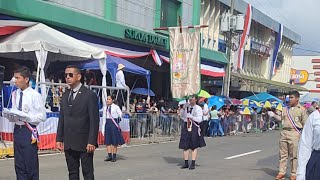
[
  {"x": 299, "y": 76},
  {"x": 260, "y": 49},
  {"x": 145, "y": 37}
]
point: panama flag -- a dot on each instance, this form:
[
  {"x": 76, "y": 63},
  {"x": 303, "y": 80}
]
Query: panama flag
[
  {"x": 244, "y": 36},
  {"x": 11, "y": 26},
  {"x": 276, "y": 50}
]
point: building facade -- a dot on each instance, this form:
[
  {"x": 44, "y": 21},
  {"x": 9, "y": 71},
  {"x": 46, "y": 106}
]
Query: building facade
[
  {"x": 121, "y": 27},
  {"x": 257, "y": 73}
]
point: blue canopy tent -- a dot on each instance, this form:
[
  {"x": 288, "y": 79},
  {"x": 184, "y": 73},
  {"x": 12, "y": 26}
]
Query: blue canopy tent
[
  {"x": 112, "y": 66},
  {"x": 263, "y": 97}
]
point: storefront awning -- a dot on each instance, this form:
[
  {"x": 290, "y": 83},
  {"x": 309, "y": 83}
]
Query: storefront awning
[{"x": 269, "y": 83}]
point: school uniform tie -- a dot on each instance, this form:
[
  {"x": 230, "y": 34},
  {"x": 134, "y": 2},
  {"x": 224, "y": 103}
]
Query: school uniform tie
[
  {"x": 188, "y": 120},
  {"x": 20, "y": 101}
]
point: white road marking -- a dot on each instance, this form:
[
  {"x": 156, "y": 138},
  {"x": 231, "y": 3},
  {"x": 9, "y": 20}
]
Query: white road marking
[{"x": 244, "y": 154}]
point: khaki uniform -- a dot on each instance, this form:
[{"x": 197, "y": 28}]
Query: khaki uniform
[{"x": 289, "y": 137}]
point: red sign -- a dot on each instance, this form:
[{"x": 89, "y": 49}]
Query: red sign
[{"x": 315, "y": 60}]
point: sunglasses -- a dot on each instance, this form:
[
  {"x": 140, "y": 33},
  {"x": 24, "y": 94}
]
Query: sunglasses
[{"x": 69, "y": 74}]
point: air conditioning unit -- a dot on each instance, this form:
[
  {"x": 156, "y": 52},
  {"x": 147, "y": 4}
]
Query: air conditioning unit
[
  {"x": 224, "y": 22},
  {"x": 239, "y": 22}
]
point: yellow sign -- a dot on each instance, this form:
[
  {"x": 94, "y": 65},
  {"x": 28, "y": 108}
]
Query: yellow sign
[{"x": 299, "y": 76}]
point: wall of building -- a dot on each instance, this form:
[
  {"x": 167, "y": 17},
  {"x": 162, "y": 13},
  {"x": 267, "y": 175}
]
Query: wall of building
[
  {"x": 210, "y": 15},
  {"x": 95, "y": 7},
  {"x": 283, "y": 72}
]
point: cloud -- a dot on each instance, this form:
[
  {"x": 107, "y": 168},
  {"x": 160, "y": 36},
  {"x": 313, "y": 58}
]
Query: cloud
[{"x": 299, "y": 16}]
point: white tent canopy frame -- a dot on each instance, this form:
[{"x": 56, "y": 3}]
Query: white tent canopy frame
[{"x": 42, "y": 39}]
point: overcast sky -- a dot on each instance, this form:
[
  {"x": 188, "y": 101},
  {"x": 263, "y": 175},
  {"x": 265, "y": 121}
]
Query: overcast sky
[{"x": 301, "y": 16}]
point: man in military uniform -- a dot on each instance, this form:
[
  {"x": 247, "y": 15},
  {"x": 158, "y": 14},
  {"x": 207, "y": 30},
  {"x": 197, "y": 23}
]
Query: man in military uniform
[{"x": 293, "y": 119}]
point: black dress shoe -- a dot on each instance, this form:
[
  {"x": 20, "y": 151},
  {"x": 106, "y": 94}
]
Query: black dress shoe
[
  {"x": 184, "y": 166},
  {"x": 113, "y": 160},
  {"x": 192, "y": 167},
  {"x": 108, "y": 159}
]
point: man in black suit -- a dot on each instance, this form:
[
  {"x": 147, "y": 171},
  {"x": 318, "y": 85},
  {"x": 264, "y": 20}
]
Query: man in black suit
[{"x": 78, "y": 125}]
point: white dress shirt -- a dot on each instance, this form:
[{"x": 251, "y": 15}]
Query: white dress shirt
[
  {"x": 195, "y": 115},
  {"x": 32, "y": 106},
  {"x": 120, "y": 80},
  {"x": 309, "y": 141},
  {"x": 205, "y": 110},
  {"x": 75, "y": 90},
  {"x": 115, "y": 112}
]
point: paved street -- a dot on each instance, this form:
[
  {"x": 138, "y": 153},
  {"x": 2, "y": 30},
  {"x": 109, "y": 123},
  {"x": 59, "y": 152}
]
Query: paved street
[{"x": 162, "y": 161}]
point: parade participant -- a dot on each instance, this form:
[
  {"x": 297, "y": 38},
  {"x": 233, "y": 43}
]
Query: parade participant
[
  {"x": 309, "y": 149},
  {"x": 112, "y": 131},
  {"x": 78, "y": 125},
  {"x": 191, "y": 138},
  {"x": 293, "y": 118},
  {"x": 29, "y": 106}
]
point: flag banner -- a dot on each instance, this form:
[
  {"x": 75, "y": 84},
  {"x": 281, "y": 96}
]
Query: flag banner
[
  {"x": 184, "y": 61},
  {"x": 276, "y": 50},
  {"x": 244, "y": 37}
]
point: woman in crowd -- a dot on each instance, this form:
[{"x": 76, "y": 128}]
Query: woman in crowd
[{"x": 112, "y": 132}]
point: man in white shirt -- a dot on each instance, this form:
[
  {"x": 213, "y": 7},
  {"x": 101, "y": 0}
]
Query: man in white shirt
[
  {"x": 191, "y": 138},
  {"x": 206, "y": 115},
  {"x": 29, "y": 106},
  {"x": 121, "y": 82},
  {"x": 309, "y": 149}
]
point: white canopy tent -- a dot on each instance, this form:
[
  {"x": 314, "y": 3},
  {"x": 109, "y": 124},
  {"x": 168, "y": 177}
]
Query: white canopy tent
[{"x": 35, "y": 42}]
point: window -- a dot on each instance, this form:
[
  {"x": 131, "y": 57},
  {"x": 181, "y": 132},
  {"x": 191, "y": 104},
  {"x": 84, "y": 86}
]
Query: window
[{"x": 169, "y": 13}]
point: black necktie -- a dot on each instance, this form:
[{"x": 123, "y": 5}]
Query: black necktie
[
  {"x": 20, "y": 101},
  {"x": 191, "y": 110},
  {"x": 71, "y": 96},
  {"x": 109, "y": 109}
]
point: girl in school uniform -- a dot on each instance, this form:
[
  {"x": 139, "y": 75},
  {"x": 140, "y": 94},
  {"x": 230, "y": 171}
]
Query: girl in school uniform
[{"x": 112, "y": 132}]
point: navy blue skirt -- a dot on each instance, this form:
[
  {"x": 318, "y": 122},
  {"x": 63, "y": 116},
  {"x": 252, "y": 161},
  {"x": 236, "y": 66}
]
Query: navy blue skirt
[
  {"x": 112, "y": 135},
  {"x": 190, "y": 140},
  {"x": 313, "y": 166}
]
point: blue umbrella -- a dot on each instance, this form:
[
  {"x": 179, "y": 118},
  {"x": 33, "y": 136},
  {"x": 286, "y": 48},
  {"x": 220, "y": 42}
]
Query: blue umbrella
[
  {"x": 215, "y": 100},
  {"x": 143, "y": 91}
]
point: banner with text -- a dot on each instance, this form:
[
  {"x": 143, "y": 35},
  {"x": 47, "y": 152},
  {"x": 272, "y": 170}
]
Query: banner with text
[{"x": 184, "y": 61}]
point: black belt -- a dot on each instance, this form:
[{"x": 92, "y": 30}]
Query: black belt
[{"x": 23, "y": 126}]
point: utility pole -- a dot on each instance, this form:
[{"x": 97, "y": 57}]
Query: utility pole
[{"x": 227, "y": 78}]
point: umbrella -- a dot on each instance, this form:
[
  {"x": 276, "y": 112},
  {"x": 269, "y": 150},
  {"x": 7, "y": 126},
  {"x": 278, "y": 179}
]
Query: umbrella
[
  {"x": 215, "y": 100},
  {"x": 227, "y": 100},
  {"x": 143, "y": 91},
  {"x": 251, "y": 103},
  {"x": 309, "y": 97},
  {"x": 204, "y": 94},
  {"x": 277, "y": 105},
  {"x": 246, "y": 110},
  {"x": 267, "y": 104},
  {"x": 236, "y": 102}
]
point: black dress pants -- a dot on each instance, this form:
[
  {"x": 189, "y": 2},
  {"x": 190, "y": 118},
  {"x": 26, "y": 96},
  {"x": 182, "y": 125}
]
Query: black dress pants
[{"x": 73, "y": 162}]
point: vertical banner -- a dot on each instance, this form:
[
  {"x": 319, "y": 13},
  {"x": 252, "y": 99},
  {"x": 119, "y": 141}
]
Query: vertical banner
[
  {"x": 244, "y": 37},
  {"x": 276, "y": 50},
  {"x": 184, "y": 61}
]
